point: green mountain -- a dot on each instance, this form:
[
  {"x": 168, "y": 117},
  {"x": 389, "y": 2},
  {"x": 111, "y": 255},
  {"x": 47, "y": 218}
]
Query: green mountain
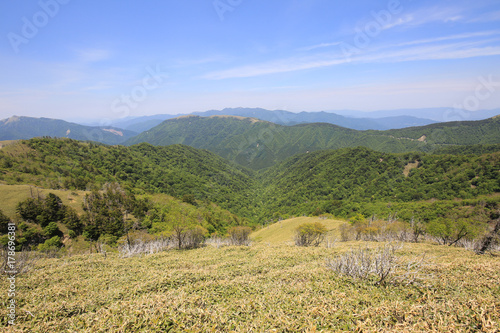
[
  {"x": 260, "y": 144},
  {"x": 343, "y": 182},
  {"x": 15, "y": 128},
  {"x": 175, "y": 170}
]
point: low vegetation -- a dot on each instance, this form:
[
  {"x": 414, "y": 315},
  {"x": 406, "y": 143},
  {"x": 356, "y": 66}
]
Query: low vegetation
[{"x": 257, "y": 288}]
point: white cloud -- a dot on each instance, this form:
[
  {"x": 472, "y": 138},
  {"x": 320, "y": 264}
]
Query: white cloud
[{"x": 465, "y": 49}]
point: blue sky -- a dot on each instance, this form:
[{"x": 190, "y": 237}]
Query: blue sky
[{"x": 109, "y": 59}]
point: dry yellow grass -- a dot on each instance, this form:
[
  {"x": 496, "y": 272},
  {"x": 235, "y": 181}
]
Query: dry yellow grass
[
  {"x": 11, "y": 195},
  {"x": 261, "y": 288},
  {"x": 284, "y": 231}
]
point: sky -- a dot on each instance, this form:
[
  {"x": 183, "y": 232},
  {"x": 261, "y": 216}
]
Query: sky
[{"x": 75, "y": 59}]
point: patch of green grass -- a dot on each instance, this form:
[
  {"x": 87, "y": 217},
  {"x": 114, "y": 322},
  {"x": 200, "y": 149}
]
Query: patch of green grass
[
  {"x": 284, "y": 231},
  {"x": 11, "y": 195},
  {"x": 252, "y": 289}
]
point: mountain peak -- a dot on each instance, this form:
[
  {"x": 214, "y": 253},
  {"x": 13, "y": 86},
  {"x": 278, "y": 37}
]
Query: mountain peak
[
  {"x": 12, "y": 119},
  {"x": 253, "y": 120}
]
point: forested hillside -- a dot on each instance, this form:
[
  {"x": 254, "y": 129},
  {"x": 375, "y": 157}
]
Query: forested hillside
[
  {"x": 341, "y": 182},
  {"x": 454, "y": 133},
  {"x": 259, "y": 144},
  {"x": 175, "y": 170}
]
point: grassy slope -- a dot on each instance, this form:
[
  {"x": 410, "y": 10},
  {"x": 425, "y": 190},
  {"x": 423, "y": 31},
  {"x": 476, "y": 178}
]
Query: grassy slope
[
  {"x": 284, "y": 231},
  {"x": 259, "y": 288},
  {"x": 11, "y": 195}
]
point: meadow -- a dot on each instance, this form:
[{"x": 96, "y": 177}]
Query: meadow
[{"x": 270, "y": 286}]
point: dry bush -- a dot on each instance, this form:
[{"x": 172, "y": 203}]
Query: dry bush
[
  {"x": 217, "y": 241},
  {"x": 24, "y": 261},
  {"x": 389, "y": 230},
  {"x": 330, "y": 242},
  {"x": 489, "y": 242},
  {"x": 239, "y": 235},
  {"x": 380, "y": 264},
  {"x": 138, "y": 247},
  {"x": 346, "y": 232}
]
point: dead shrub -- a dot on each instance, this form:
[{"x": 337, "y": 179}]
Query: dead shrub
[
  {"x": 139, "y": 247},
  {"x": 380, "y": 265},
  {"x": 239, "y": 235},
  {"x": 24, "y": 261}
]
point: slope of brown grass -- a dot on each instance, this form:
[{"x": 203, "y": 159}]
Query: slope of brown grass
[{"x": 260, "y": 288}]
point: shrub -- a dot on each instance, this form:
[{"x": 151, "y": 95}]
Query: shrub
[
  {"x": 489, "y": 241},
  {"x": 195, "y": 237},
  {"x": 310, "y": 234},
  {"x": 50, "y": 244},
  {"x": 139, "y": 246},
  {"x": 4, "y": 223},
  {"x": 51, "y": 230},
  {"x": 380, "y": 264},
  {"x": 239, "y": 235},
  {"x": 346, "y": 232},
  {"x": 72, "y": 234}
]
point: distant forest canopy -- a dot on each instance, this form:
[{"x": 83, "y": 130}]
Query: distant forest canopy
[{"x": 260, "y": 144}]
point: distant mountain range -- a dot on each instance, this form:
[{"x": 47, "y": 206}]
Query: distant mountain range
[
  {"x": 359, "y": 120},
  {"x": 259, "y": 138},
  {"x": 260, "y": 144},
  {"x": 281, "y": 117},
  {"x": 15, "y": 128}
]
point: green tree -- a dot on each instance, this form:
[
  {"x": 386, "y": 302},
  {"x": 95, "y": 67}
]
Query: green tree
[
  {"x": 450, "y": 231},
  {"x": 53, "y": 207},
  {"x": 29, "y": 209},
  {"x": 4, "y": 223},
  {"x": 53, "y": 243},
  {"x": 72, "y": 220},
  {"x": 52, "y": 230}
]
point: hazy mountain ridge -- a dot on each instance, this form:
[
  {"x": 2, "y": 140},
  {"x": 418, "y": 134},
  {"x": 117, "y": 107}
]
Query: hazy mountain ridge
[
  {"x": 281, "y": 117},
  {"x": 435, "y": 114},
  {"x": 15, "y": 128}
]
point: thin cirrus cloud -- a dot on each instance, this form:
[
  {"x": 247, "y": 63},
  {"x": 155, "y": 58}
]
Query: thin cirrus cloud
[
  {"x": 319, "y": 46},
  {"x": 464, "y": 49},
  {"x": 487, "y": 17},
  {"x": 452, "y": 37},
  {"x": 93, "y": 55}
]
